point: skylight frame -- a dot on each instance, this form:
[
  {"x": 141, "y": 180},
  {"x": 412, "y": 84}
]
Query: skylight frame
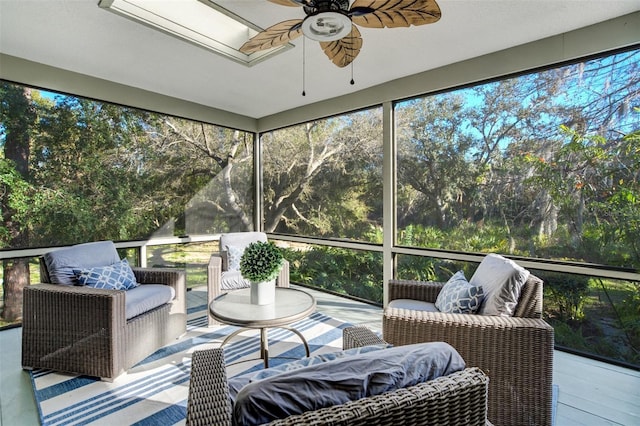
[{"x": 143, "y": 12}]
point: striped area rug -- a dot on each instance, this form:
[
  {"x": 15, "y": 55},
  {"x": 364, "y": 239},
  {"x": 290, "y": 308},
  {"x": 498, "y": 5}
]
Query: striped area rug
[{"x": 154, "y": 392}]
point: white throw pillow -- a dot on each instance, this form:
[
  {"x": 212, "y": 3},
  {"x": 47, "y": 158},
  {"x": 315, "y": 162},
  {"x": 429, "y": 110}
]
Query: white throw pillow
[
  {"x": 502, "y": 280},
  {"x": 234, "y": 254}
]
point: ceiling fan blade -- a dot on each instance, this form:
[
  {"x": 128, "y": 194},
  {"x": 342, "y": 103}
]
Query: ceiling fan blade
[
  {"x": 342, "y": 52},
  {"x": 394, "y": 13},
  {"x": 294, "y": 3},
  {"x": 274, "y": 36}
]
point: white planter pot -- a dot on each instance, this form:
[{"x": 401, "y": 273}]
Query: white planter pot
[{"x": 263, "y": 293}]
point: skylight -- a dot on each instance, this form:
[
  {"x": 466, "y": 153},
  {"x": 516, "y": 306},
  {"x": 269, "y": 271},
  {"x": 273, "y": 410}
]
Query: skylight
[{"x": 201, "y": 22}]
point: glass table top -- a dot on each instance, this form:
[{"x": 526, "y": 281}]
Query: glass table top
[{"x": 235, "y": 308}]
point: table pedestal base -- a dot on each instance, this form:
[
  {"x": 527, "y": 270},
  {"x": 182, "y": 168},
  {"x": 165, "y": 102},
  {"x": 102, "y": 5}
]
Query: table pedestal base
[{"x": 264, "y": 342}]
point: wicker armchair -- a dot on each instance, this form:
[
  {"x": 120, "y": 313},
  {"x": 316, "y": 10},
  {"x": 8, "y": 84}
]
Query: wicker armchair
[
  {"x": 457, "y": 399},
  {"x": 83, "y": 330},
  {"x": 515, "y": 352},
  {"x": 219, "y": 265}
]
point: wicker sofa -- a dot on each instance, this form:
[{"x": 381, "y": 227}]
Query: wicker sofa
[
  {"x": 84, "y": 330},
  {"x": 515, "y": 352},
  {"x": 457, "y": 399},
  {"x": 218, "y": 267}
]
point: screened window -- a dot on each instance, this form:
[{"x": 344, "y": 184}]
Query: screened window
[
  {"x": 324, "y": 178},
  {"x": 541, "y": 165},
  {"x": 544, "y": 165},
  {"x": 77, "y": 170}
]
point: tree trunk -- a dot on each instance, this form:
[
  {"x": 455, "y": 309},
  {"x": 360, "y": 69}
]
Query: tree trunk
[
  {"x": 247, "y": 223},
  {"x": 16, "y": 277},
  {"x": 576, "y": 234},
  {"x": 547, "y": 215}
]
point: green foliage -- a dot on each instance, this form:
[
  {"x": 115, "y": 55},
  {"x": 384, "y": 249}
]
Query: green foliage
[
  {"x": 417, "y": 268},
  {"x": 352, "y": 272},
  {"x": 593, "y": 180},
  {"x": 566, "y": 336},
  {"x": 619, "y": 316},
  {"x": 431, "y": 269},
  {"x": 103, "y": 171},
  {"x": 422, "y": 236},
  {"x": 467, "y": 237},
  {"x": 608, "y": 325},
  {"x": 620, "y": 204},
  {"x": 261, "y": 261},
  {"x": 629, "y": 311},
  {"x": 17, "y": 195},
  {"x": 566, "y": 294}
]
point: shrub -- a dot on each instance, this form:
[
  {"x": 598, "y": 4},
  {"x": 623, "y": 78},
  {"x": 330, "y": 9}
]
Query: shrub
[{"x": 567, "y": 293}]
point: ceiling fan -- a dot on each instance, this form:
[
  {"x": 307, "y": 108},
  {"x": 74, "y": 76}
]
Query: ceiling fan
[{"x": 331, "y": 22}]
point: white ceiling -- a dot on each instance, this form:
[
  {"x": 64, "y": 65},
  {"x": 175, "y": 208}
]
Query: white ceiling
[{"x": 79, "y": 36}]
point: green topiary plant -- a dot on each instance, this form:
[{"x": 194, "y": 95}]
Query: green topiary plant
[{"x": 261, "y": 261}]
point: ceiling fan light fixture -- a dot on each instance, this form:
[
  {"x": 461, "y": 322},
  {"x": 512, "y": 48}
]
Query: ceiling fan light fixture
[{"x": 326, "y": 26}]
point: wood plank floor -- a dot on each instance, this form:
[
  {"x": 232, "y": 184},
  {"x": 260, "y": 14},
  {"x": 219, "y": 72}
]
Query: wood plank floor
[
  {"x": 595, "y": 393},
  {"x": 590, "y": 392}
]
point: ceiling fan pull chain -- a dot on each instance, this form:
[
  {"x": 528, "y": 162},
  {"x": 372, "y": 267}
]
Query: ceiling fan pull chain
[
  {"x": 303, "y": 65},
  {"x": 352, "y": 81}
]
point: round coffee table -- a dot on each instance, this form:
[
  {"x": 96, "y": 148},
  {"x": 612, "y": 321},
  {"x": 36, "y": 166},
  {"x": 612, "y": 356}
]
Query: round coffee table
[{"x": 235, "y": 308}]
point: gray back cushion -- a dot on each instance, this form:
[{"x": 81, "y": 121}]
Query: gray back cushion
[
  {"x": 61, "y": 262},
  {"x": 241, "y": 239},
  {"x": 501, "y": 280},
  {"x": 234, "y": 244}
]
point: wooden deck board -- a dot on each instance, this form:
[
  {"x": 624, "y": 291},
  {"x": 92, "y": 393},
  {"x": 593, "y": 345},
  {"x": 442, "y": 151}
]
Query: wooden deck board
[
  {"x": 592, "y": 388},
  {"x": 571, "y": 416},
  {"x": 580, "y": 384}
]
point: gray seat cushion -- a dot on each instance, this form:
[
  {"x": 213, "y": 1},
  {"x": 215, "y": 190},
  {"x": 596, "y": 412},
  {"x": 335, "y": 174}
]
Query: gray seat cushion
[
  {"x": 146, "y": 297},
  {"x": 342, "y": 380},
  {"x": 62, "y": 262},
  {"x": 413, "y": 305}
]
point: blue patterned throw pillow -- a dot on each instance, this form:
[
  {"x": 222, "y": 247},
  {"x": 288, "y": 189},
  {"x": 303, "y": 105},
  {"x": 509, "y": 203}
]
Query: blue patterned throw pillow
[
  {"x": 458, "y": 296},
  {"x": 117, "y": 276}
]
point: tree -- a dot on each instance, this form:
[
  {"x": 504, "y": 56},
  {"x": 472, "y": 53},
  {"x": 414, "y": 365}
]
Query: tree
[
  {"x": 591, "y": 170},
  {"x": 323, "y": 177},
  {"x": 496, "y": 155},
  {"x": 219, "y": 162},
  {"x": 432, "y": 159},
  {"x": 17, "y": 117}
]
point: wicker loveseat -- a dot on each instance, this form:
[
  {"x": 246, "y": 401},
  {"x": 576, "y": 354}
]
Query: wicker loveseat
[
  {"x": 84, "y": 330},
  {"x": 456, "y": 399},
  {"x": 515, "y": 352}
]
